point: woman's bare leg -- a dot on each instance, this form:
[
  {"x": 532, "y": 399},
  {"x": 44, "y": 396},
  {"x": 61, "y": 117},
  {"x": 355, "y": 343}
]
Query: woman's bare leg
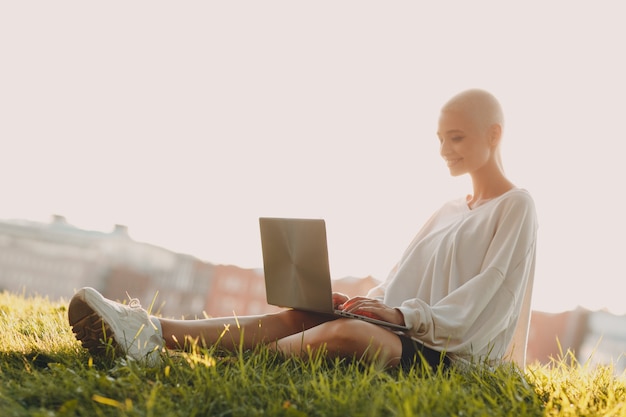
[
  {"x": 346, "y": 338},
  {"x": 229, "y": 330},
  {"x": 291, "y": 332}
]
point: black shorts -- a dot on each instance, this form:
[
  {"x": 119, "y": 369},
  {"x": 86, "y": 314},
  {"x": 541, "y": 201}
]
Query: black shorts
[{"x": 414, "y": 353}]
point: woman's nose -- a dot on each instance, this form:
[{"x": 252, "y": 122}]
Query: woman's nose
[{"x": 443, "y": 148}]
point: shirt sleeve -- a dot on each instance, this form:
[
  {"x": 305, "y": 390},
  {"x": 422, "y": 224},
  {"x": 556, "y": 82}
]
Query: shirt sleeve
[{"x": 378, "y": 292}]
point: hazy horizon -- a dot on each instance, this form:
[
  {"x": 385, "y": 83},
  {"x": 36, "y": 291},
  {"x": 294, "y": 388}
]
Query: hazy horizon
[{"x": 188, "y": 122}]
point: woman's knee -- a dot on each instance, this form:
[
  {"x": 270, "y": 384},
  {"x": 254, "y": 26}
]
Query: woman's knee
[
  {"x": 366, "y": 340},
  {"x": 300, "y": 321},
  {"x": 347, "y": 334}
]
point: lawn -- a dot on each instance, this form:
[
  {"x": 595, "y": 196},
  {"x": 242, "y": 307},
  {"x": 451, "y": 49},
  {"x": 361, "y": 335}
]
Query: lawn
[{"x": 45, "y": 372}]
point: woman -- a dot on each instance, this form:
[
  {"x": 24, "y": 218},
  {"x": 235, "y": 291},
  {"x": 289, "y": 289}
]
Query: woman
[{"x": 462, "y": 286}]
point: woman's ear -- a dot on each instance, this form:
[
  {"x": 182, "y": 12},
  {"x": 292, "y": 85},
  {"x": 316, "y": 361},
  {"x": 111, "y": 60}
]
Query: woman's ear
[{"x": 495, "y": 134}]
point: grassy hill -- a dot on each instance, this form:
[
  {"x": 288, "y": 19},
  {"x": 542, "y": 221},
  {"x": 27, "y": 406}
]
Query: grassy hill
[{"x": 45, "y": 372}]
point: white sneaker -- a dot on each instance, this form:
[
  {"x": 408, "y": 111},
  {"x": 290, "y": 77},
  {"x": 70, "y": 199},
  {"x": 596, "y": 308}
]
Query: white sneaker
[{"x": 97, "y": 321}]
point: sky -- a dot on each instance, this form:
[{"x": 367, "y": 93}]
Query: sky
[{"x": 187, "y": 121}]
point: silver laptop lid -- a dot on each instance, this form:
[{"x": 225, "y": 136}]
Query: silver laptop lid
[{"x": 295, "y": 263}]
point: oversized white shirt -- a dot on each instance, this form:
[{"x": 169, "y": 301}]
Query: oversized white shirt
[{"x": 464, "y": 283}]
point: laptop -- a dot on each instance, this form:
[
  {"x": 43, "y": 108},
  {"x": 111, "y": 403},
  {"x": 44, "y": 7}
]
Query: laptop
[{"x": 296, "y": 267}]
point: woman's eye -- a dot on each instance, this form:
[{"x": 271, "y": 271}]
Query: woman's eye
[{"x": 457, "y": 138}]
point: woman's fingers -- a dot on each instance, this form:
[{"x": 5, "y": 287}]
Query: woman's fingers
[{"x": 339, "y": 299}]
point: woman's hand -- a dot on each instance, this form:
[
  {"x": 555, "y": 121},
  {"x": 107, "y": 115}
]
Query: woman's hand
[
  {"x": 372, "y": 308},
  {"x": 339, "y": 299}
]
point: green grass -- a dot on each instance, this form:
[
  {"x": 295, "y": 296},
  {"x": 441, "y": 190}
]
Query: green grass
[{"x": 45, "y": 372}]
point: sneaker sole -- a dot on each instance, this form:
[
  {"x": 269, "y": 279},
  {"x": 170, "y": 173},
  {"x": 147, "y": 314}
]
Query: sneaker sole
[{"x": 89, "y": 328}]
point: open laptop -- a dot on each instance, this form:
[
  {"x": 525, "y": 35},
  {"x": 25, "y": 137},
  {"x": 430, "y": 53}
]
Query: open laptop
[{"x": 296, "y": 268}]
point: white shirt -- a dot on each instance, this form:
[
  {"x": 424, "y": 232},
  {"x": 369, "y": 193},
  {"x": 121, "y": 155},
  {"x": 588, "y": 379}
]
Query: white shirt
[{"x": 464, "y": 283}]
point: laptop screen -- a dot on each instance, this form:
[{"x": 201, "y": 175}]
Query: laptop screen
[{"x": 295, "y": 263}]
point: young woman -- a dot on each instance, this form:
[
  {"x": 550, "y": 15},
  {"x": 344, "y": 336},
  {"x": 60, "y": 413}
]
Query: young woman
[{"x": 462, "y": 286}]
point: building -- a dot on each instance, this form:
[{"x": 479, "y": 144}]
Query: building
[
  {"x": 54, "y": 259},
  {"x": 49, "y": 259},
  {"x": 237, "y": 291}
]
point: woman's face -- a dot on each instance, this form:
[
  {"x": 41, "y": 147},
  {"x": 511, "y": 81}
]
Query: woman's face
[{"x": 464, "y": 144}]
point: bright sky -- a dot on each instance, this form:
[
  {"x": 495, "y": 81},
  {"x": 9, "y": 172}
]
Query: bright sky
[{"x": 186, "y": 121}]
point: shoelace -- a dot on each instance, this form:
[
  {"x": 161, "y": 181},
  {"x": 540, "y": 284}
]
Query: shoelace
[{"x": 133, "y": 302}]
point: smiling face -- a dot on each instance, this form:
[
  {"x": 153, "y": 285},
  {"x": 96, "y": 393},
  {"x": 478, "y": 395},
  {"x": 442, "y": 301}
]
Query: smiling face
[
  {"x": 464, "y": 146},
  {"x": 470, "y": 127}
]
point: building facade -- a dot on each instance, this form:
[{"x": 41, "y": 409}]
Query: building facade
[{"x": 55, "y": 259}]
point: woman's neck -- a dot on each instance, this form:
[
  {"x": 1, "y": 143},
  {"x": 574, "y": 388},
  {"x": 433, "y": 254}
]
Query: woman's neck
[{"x": 488, "y": 187}]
